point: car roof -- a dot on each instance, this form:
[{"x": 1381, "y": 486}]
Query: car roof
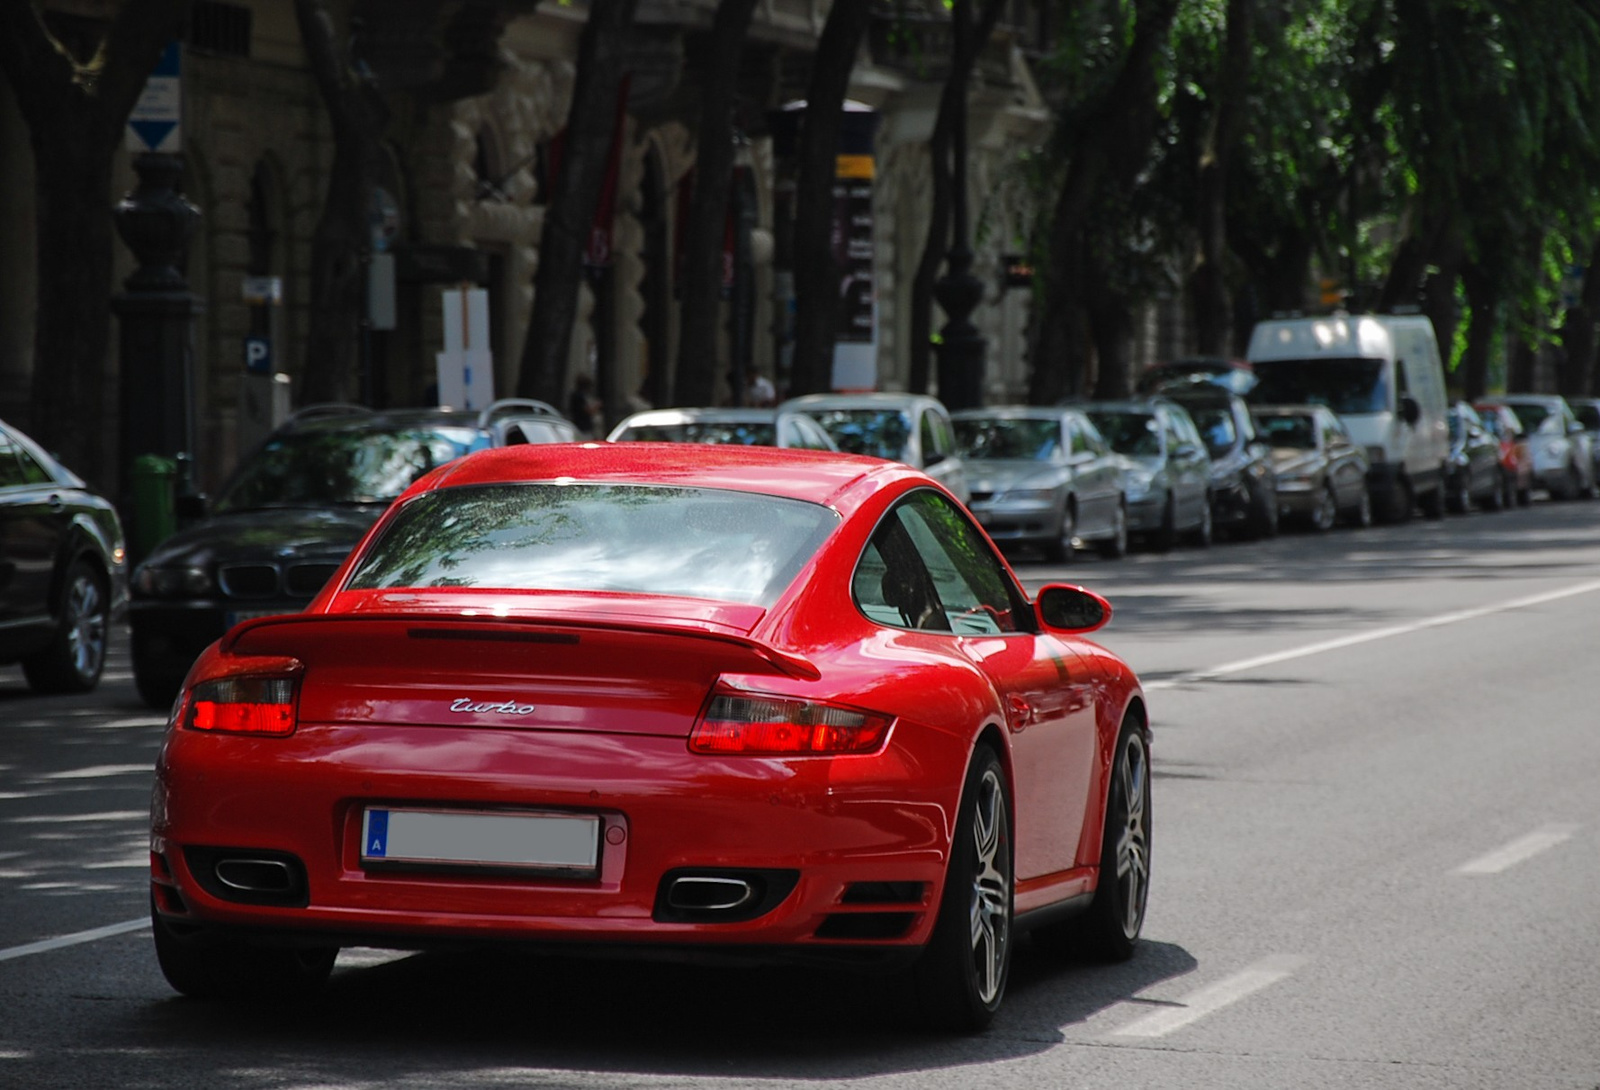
[
  {"x": 361, "y": 419},
  {"x": 824, "y": 477},
  {"x": 870, "y": 399},
  {"x": 1016, "y": 412}
]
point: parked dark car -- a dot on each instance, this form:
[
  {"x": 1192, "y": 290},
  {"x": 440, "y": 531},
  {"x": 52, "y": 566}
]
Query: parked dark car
[
  {"x": 1167, "y": 472},
  {"x": 1322, "y": 472},
  {"x": 1473, "y": 474},
  {"x": 63, "y": 569},
  {"x": 1516, "y": 460},
  {"x": 1044, "y": 477},
  {"x": 1244, "y": 485},
  {"x": 290, "y": 513}
]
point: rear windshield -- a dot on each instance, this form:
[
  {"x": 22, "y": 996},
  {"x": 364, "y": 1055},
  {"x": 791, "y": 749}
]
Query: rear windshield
[
  {"x": 881, "y": 433},
  {"x": 1344, "y": 385},
  {"x": 1216, "y": 428},
  {"x": 1017, "y": 437},
  {"x": 635, "y": 539}
]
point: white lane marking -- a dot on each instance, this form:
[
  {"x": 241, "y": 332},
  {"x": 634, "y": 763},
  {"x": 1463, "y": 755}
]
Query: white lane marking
[
  {"x": 1213, "y": 997},
  {"x": 1519, "y": 850},
  {"x": 98, "y": 933},
  {"x": 1275, "y": 657},
  {"x": 98, "y": 772}
]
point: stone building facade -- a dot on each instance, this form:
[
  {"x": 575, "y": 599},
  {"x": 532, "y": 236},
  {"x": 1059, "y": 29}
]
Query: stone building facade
[{"x": 258, "y": 147}]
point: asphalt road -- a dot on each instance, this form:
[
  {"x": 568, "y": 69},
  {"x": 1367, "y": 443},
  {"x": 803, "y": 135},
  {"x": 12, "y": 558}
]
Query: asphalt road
[{"x": 1376, "y": 864}]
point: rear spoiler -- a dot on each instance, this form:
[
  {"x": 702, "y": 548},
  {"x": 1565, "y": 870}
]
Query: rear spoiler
[{"x": 446, "y": 627}]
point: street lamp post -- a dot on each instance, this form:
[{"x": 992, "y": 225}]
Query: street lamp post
[{"x": 962, "y": 349}]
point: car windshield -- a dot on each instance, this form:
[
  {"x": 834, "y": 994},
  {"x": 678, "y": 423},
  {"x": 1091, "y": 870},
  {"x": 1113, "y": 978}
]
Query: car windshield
[
  {"x": 1293, "y": 432},
  {"x": 1133, "y": 433},
  {"x": 739, "y": 432},
  {"x": 1216, "y": 428},
  {"x": 882, "y": 433},
  {"x": 341, "y": 466},
  {"x": 631, "y": 539},
  {"x": 1588, "y": 415},
  {"x": 997, "y": 437},
  {"x": 1343, "y": 385},
  {"x": 1533, "y": 416}
]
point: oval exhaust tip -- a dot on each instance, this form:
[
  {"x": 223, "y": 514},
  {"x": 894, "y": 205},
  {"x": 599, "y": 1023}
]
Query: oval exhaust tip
[
  {"x": 709, "y": 894},
  {"x": 255, "y": 875}
]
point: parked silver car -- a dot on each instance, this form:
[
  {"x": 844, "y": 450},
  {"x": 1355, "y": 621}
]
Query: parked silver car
[
  {"x": 1045, "y": 477},
  {"x": 748, "y": 426},
  {"x": 910, "y": 428},
  {"x": 1322, "y": 472},
  {"x": 1563, "y": 462},
  {"x": 1168, "y": 472}
]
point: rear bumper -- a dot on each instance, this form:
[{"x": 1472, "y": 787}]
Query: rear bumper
[{"x": 868, "y": 837}]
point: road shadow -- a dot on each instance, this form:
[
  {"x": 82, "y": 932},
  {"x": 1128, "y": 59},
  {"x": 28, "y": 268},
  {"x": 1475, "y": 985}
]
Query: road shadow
[{"x": 484, "y": 1015}]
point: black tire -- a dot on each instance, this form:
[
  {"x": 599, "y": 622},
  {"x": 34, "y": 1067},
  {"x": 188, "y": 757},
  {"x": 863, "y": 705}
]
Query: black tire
[
  {"x": 961, "y": 977},
  {"x": 1360, "y": 516},
  {"x": 1495, "y": 498},
  {"x": 1060, "y": 549},
  {"x": 1109, "y": 931},
  {"x": 1326, "y": 512},
  {"x": 207, "y": 964},
  {"x": 1115, "y": 547},
  {"x": 1432, "y": 501},
  {"x": 1205, "y": 533},
  {"x": 158, "y": 687},
  {"x": 1167, "y": 535},
  {"x": 76, "y": 655},
  {"x": 1458, "y": 498},
  {"x": 1264, "y": 523}
]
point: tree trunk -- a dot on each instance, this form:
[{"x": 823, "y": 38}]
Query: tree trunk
[
  {"x": 701, "y": 286},
  {"x": 602, "y": 60},
  {"x": 1112, "y": 322},
  {"x": 1110, "y": 154},
  {"x": 338, "y": 357},
  {"x": 60, "y": 95},
  {"x": 938, "y": 238},
  {"x": 1578, "y": 332},
  {"x": 816, "y": 276},
  {"x": 1439, "y": 292},
  {"x": 1212, "y": 307},
  {"x": 1053, "y": 378},
  {"x": 1484, "y": 297}
]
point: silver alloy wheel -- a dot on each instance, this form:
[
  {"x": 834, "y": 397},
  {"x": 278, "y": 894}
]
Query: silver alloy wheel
[
  {"x": 1326, "y": 512},
  {"x": 85, "y": 623},
  {"x": 990, "y": 908},
  {"x": 1133, "y": 839}
]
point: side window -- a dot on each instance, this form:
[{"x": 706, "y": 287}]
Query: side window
[
  {"x": 930, "y": 437},
  {"x": 927, "y": 568},
  {"x": 32, "y": 471},
  {"x": 1091, "y": 436},
  {"x": 1080, "y": 439},
  {"x": 11, "y": 473}
]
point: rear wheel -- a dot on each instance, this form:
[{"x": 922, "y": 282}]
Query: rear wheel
[
  {"x": 206, "y": 964},
  {"x": 961, "y": 977},
  {"x": 76, "y": 655},
  {"x": 1205, "y": 533},
  {"x": 1167, "y": 534},
  {"x": 1458, "y": 497},
  {"x": 1110, "y": 930}
]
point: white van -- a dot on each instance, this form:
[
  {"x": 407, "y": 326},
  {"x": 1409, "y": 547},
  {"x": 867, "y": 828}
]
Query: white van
[{"x": 1381, "y": 373}]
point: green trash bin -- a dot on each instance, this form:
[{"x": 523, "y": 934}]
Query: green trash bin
[{"x": 155, "y": 516}]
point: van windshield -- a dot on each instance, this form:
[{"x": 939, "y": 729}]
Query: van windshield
[{"x": 1348, "y": 385}]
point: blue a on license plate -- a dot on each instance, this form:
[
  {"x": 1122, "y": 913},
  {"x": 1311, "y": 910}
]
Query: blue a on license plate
[{"x": 563, "y": 844}]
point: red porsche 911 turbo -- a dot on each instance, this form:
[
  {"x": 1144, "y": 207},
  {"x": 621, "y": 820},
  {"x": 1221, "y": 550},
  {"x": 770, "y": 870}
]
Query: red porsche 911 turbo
[{"x": 758, "y": 702}]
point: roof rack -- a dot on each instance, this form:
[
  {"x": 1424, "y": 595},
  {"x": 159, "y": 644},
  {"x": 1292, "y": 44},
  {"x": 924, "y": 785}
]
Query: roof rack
[{"x": 507, "y": 405}]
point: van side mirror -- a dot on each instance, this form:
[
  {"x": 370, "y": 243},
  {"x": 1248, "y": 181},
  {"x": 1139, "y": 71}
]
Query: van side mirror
[{"x": 1410, "y": 411}]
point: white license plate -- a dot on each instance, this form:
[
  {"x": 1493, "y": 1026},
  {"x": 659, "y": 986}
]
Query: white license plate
[{"x": 564, "y": 844}]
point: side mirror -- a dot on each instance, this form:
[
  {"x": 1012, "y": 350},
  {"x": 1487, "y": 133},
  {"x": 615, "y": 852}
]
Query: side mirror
[
  {"x": 1062, "y": 607},
  {"x": 1410, "y": 411}
]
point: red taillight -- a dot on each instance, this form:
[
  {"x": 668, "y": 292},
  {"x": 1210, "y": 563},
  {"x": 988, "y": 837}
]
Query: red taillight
[
  {"x": 243, "y": 705},
  {"x": 776, "y": 726}
]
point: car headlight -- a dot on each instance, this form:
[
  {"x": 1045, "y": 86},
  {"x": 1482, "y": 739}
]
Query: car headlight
[{"x": 187, "y": 581}]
